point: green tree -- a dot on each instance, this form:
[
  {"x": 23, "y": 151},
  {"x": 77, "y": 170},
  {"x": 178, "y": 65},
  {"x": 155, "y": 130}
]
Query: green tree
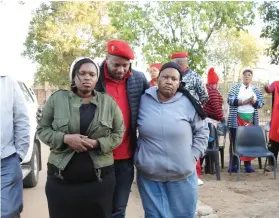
[
  {"x": 270, "y": 15},
  {"x": 233, "y": 50},
  {"x": 161, "y": 28},
  {"x": 61, "y": 31}
]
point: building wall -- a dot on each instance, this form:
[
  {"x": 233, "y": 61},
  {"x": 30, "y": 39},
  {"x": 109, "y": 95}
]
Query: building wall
[{"x": 43, "y": 92}]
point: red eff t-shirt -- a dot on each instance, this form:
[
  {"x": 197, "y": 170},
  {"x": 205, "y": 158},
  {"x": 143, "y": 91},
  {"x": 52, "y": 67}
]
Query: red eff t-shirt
[{"x": 117, "y": 89}]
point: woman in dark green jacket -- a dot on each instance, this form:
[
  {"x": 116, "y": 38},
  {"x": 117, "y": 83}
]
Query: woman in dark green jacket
[{"x": 81, "y": 127}]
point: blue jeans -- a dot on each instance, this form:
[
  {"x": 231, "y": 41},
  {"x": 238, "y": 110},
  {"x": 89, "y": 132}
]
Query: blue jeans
[
  {"x": 124, "y": 173},
  {"x": 11, "y": 187},
  {"x": 169, "y": 199}
]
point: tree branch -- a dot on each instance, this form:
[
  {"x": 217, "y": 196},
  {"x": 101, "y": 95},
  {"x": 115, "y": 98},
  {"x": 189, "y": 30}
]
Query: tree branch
[
  {"x": 195, "y": 33},
  {"x": 211, "y": 31}
]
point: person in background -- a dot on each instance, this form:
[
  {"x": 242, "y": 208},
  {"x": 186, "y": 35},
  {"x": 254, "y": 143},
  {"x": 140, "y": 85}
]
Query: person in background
[
  {"x": 166, "y": 157},
  {"x": 244, "y": 100},
  {"x": 82, "y": 127},
  {"x": 15, "y": 141},
  {"x": 213, "y": 108},
  {"x": 194, "y": 84},
  {"x": 126, "y": 86},
  {"x": 154, "y": 72},
  {"x": 274, "y": 124}
]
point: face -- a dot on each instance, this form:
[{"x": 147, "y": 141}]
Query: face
[
  {"x": 247, "y": 77},
  {"x": 168, "y": 82},
  {"x": 86, "y": 78},
  {"x": 118, "y": 67},
  {"x": 183, "y": 63},
  {"x": 215, "y": 86},
  {"x": 154, "y": 72}
]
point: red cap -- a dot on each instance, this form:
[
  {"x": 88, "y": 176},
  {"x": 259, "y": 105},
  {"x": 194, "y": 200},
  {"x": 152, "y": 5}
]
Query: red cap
[
  {"x": 179, "y": 55},
  {"x": 156, "y": 65},
  {"x": 212, "y": 77},
  {"x": 120, "y": 48}
]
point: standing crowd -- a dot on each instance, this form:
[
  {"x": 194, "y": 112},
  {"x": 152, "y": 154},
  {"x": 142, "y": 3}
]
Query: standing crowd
[{"x": 112, "y": 119}]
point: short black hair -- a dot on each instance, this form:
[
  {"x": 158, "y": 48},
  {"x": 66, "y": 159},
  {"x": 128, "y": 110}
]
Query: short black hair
[{"x": 247, "y": 70}]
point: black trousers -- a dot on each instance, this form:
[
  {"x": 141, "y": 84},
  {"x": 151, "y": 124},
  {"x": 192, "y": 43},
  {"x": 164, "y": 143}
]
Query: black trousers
[
  {"x": 274, "y": 148},
  {"x": 80, "y": 200}
]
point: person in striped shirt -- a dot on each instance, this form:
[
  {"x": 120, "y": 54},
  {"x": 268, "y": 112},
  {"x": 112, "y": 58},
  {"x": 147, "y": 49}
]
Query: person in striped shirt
[
  {"x": 244, "y": 99},
  {"x": 213, "y": 108}
]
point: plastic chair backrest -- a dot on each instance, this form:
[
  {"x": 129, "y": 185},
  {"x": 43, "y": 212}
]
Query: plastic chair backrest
[
  {"x": 222, "y": 129},
  {"x": 250, "y": 139},
  {"x": 213, "y": 133}
]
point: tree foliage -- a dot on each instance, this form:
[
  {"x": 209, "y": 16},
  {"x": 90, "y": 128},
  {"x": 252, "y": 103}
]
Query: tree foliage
[
  {"x": 232, "y": 50},
  {"x": 270, "y": 15},
  {"x": 61, "y": 31},
  {"x": 161, "y": 28}
]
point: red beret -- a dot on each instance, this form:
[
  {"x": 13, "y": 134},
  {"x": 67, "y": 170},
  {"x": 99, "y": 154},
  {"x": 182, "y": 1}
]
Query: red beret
[
  {"x": 179, "y": 55},
  {"x": 212, "y": 77},
  {"x": 156, "y": 65},
  {"x": 120, "y": 48}
]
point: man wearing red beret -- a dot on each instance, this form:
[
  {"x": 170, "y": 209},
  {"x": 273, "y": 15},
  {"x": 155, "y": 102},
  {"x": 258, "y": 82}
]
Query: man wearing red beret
[
  {"x": 192, "y": 80},
  {"x": 154, "y": 72},
  {"x": 126, "y": 86}
]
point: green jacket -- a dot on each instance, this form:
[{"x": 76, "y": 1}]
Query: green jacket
[{"x": 61, "y": 116}]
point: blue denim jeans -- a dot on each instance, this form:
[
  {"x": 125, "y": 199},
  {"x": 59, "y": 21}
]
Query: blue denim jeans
[
  {"x": 169, "y": 199},
  {"x": 124, "y": 173},
  {"x": 11, "y": 187}
]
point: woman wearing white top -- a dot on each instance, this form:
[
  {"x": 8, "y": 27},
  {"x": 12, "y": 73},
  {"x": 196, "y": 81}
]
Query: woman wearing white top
[{"x": 244, "y": 100}]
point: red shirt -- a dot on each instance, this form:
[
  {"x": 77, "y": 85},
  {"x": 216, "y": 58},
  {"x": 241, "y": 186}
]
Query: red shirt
[
  {"x": 274, "y": 125},
  {"x": 117, "y": 89},
  {"x": 153, "y": 83}
]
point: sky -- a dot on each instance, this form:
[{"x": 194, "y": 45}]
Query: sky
[{"x": 14, "y": 24}]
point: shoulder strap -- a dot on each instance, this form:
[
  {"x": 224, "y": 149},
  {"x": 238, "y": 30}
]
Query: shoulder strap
[{"x": 196, "y": 104}]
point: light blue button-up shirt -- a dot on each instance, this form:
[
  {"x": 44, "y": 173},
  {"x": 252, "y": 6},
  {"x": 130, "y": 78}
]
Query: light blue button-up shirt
[{"x": 15, "y": 127}]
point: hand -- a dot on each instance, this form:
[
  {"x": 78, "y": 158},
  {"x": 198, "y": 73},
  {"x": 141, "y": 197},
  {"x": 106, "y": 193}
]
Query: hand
[
  {"x": 251, "y": 98},
  {"x": 39, "y": 113},
  {"x": 77, "y": 142},
  {"x": 241, "y": 102},
  {"x": 266, "y": 87},
  {"x": 253, "y": 102},
  {"x": 247, "y": 101},
  {"x": 93, "y": 142}
]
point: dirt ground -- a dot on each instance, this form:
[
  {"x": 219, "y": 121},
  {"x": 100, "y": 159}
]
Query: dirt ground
[{"x": 256, "y": 195}]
